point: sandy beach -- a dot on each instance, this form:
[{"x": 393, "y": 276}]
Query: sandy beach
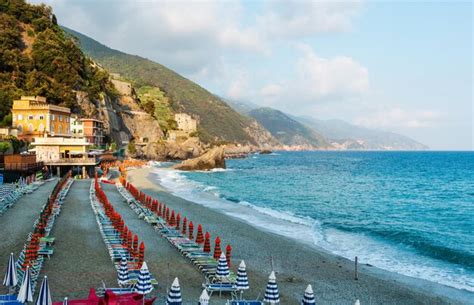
[{"x": 296, "y": 264}]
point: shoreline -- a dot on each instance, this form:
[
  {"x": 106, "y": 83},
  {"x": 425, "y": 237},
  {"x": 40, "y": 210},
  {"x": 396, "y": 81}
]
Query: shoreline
[{"x": 330, "y": 275}]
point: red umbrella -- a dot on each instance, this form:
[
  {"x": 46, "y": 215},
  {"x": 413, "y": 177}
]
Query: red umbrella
[
  {"x": 178, "y": 220},
  {"x": 207, "y": 243},
  {"x": 167, "y": 215},
  {"x": 135, "y": 245},
  {"x": 172, "y": 222},
  {"x": 185, "y": 223},
  {"x": 129, "y": 241},
  {"x": 191, "y": 230},
  {"x": 199, "y": 236},
  {"x": 217, "y": 248},
  {"x": 228, "y": 253},
  {"x": 141, "y": 255}
]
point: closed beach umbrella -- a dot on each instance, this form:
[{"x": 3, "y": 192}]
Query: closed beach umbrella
[
  {"x": 178, "y": 220},
  {"x": 308, "y": 298},
  {"x": 228, "y": 253},
  {"x": 65, "y": 302},
  {"x": 174, "y": 295},
  {"x": 144, "y": 281},
  {"x": 222, "y": 268},
  {"x": 25, "y": 294},
  {"x": 123, "y": 276},
  {"x": 242, "y": 279},
  {"x": 10, "y": 279},
  {"x": 141, "y": 254},
  {"x": 204, "y": 298},
  {"x": 217, "y": 248},
  {"x": 172, "y": 221},
  {"x": 44, "y": 297},
  {"x": 207, "y": 243},
  {"x": 199, "y": 236},
  {"x": 272, "y": 296},
  {"x": 185, "y": 223},
  {"x": 191, "y": 230},
  {"x": 357, "y": 302}
]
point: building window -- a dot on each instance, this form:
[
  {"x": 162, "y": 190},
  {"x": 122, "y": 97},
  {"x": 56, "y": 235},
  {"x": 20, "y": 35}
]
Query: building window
[
  {"x": 41, "y": 117},
  {"x": 20, "y": 129},
  {"x": 53, "y": 117},
  {"x": 30, "y": 128},
  {"x": 30, "y": 117},
  {"x": 60, "y": 117},
  {"x": 41, "y": 127}
]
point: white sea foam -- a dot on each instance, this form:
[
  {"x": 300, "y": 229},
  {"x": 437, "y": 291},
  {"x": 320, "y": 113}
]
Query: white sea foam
[{"x": 369, "y": 250}]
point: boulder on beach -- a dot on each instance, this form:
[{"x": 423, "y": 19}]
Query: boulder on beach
[{"x": 214, "y": 158}]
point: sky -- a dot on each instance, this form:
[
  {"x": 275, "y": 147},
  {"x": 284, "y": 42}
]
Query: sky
[{"x": 402, "y": 66}]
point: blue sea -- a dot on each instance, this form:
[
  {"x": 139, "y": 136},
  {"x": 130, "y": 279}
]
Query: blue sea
[{"x": 407, "y": 212}]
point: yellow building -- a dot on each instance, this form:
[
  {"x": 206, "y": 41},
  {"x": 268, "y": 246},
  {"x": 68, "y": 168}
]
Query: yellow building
[{"x": 34, "y": 117}]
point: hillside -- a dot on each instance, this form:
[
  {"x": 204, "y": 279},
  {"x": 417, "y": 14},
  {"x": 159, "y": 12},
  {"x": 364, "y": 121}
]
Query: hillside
[
  {"x": 217, "y": 121},
  {"x": 349, "y": 136},
  {"x": 287, "y": 130},
  {"x": 37, "y": 58}
]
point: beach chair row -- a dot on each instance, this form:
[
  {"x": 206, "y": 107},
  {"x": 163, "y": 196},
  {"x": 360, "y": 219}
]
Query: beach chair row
[
  {"x": 188, "y": 248},
  {"x": 45, "y": 248},
  {"x": 11, "y": 192},
  {"x": 113, "y": 241}
]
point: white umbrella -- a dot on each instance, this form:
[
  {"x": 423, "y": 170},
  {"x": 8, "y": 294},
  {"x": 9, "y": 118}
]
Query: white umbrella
[
  {"x": 174, "y": 295},
  {"x": 222, "y": 267},
  {"x": 25, "y": 294},
  {"x": 65, "y": 302},
  {"x": 308, "y": 298},
  {"x": 123, "y": 277},
  {"x": 144, "y": 281},
  {"x": 44, "y": 297},
  {"x": 357, "y": 302},
  {"x": 242, "y": 279},
  {"x": 10, "y": 279},
  {"x": 204, "y": 298},
  {"x": 272, "y": 296}
]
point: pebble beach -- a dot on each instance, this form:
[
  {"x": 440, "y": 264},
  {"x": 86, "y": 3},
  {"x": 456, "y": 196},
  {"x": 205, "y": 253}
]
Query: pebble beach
[{"x": 81, "y": 260}]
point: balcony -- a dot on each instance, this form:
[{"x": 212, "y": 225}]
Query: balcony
[{"x": 23, "y": 166}]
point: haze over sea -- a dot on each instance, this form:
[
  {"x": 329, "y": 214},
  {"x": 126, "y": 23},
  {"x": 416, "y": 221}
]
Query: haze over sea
[{"x": 407, "y": 212}]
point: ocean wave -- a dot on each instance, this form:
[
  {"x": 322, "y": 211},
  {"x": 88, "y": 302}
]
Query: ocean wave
[{"x": 342, "y": 242}]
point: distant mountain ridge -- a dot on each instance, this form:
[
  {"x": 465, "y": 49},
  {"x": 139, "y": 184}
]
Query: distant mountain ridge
[
  {"x": 287, "y": 130},
  {"x": 335, "y": 134}
]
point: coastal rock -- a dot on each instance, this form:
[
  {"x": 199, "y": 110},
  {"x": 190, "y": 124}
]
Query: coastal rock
[
  {"x": 237, "y": 151},
  {"x": 214, "y": 158}
]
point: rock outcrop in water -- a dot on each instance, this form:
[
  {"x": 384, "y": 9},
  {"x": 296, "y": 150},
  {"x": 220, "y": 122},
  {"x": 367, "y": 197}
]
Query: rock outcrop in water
[{"x": 214, "y": 158}]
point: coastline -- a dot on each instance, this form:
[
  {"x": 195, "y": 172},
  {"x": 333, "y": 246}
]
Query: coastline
[{"x": 298, "y": 264}]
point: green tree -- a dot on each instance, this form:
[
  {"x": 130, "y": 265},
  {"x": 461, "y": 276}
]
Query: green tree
[{"x": 4, "y": 147}]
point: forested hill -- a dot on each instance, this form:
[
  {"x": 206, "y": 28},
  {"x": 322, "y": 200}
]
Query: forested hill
[
  {"x": 38, "y": 58},
  {"x": 217, "y": 120}
]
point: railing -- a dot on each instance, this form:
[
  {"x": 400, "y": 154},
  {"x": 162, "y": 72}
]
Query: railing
[
  {"x": 92, "y": 160},
  {"x": 23, "y": 166}
]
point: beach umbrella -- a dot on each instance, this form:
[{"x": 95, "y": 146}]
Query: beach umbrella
[
  {"x": 144, "y": 281},
  {"x": 217, "y": 248},
  {"x": 135, "y": 245},
  {"x": 199, "y": 236},
  {"x": 272, "y": 296},
  {"x": 178, "y": 220},
  {"x": 25, "y": 294},
  {"x": 123, "y": 277},
  {"x": 174, "y": 294},
  {"x": 357, "y": 302},
  {"x": 207, "y": 243},
  {"x": 65, "y": 302},
  {"x": 191, "y": 230},
  {"x": 228, "y": 252},
  {"x": 204, "y": 298},
  {"x": 44, "y": 297},
  {"x": 242, "y": 279},
  {"x": 185, "y": 223},
  {"x": 222, "y": 268},
  {"x": 172, "y": 222},
  {"x": 308, "y": 298},
  {"x": 141, "y": 254},
  {"x": 10, "y": 279}
]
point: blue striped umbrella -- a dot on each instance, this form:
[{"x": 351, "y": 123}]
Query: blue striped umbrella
[
  {"x": 123, "y": 277},
  {"x": 272, "y": 296},
  {"x": 222, "y": 267},
  {"x": 25, "y": 294},
  {"x": 144, "y": 281},
  {"x": 44, "y": 297},
  {"x": 242, "y": 279},
  {"x": 10, "y": 279},
  {"x": 174, "y": 295},
  {"x": 308, "y": 298},
  {"x": 65, "y": 302},
  {"x": 204, "y": 298}
]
